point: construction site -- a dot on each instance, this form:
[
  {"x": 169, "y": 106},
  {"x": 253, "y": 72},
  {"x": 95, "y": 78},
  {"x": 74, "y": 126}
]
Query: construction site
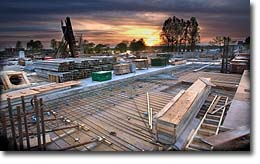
[{"x": 155, "y": 102}]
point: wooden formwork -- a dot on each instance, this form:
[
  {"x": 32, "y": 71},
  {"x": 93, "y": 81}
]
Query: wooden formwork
[
  {"x": 171, "y": 123},
  {"x": 21, "y": 77}
]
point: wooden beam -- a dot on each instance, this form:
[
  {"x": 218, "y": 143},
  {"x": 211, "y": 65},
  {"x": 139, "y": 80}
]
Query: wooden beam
[{"x": 228, "y": 136}]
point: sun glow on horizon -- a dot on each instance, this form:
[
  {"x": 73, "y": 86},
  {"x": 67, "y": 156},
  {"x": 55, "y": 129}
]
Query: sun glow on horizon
[{"x": 150, "y": 35}]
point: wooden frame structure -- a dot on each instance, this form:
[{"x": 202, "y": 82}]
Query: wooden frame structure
[
  {"x": 176, "y": 116},
  {"x": 6, "y": 79}
]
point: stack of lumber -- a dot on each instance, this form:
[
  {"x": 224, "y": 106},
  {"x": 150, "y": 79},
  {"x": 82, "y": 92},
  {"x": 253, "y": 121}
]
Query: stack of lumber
[
  {"x": 177, "y": 114},
  {"x": 62, "y": 70},
  {"x": 37, "y": 90},
  {"x": 80, "y": 63},
  {"x": 240, "y": 63},
  {"x": 105, "y": 59},
  {"x": 120, "y": 69},
  {"x": 13, "y": 80},
  {"x": 59, "y": 65},
  {"x": 141, "y": 63},
  {"x": 60, "y": 77}
]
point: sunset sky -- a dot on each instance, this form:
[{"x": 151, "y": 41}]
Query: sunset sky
[{"x": 111, "y": 21}]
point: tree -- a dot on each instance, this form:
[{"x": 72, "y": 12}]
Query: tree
[
  {"x": 122, "y": 47},
  {"x": 137, "y": 45},
  {"x": 38, "y": 45},
  {"x": 88, "y": 47},
  {"x": 167, "y": 32},
  {"x": 18, "y": 45},
  {"x": 194, "y": 33},
  {"x": 100, "y": 47},
  {"x": 34, "y": 45},
  {"x": 54, "y": 44},
  {"x": 176, "y": 32}
]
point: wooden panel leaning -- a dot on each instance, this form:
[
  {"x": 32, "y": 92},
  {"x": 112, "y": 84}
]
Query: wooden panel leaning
[{"x": 171, "y": 122}]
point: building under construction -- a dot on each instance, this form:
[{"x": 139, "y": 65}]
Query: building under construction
[{"x": 142, "y": 105}]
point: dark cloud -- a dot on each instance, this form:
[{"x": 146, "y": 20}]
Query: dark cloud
[{"x": 20, "y": 19}]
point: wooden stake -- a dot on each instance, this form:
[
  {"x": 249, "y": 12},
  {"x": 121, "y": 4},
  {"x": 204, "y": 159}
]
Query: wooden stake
[
  {"x": 12, "y": 122},
  {"x": 20, "y": 130},
  {"x": 37, "y": 122},
  {"x": 25, "y": 124},
  {"x": 3, "y": 124}
]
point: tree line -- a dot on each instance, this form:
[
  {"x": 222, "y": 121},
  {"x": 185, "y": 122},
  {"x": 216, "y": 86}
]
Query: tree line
[{"x": 180, "y": 34}]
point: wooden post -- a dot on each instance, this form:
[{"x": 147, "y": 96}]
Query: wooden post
[
  {"x": 37, "y": 121},
  {"x": 3, "y": 124},
  {"x": 20, "y": 130},
  {"x": 43, "y": 124},
  {"x": 25, "y": 124},
  {"x": 12, "y": 122}
]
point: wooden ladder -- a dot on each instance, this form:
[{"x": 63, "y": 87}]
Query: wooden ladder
[{"x": 208, "y": 126}]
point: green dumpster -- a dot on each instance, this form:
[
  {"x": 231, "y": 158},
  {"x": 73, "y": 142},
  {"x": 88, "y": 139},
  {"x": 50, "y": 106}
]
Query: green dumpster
[
  {"x": 101, "y": 76},
  {"x": 159, "y": 61}
]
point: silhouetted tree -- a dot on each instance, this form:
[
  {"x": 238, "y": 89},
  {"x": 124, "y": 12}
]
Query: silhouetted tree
[
  {"x": 194, "y": 33},
  {"x": 34, "y": 45},
  {"x": 176, "y": 32},
  {"x": 122, "y": 47},
  {"x": 100, "y": 48},
  {"x": 88, "y": 47},
  {"x": 137, "y": 45},
  {"x": 18, "y": 45}
]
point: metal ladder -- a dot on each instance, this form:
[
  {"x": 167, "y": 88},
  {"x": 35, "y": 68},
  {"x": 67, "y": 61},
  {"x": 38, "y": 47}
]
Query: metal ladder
[{"x": 209, "y": 125}]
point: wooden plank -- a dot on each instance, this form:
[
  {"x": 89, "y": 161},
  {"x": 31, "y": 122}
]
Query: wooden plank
[
  {"x": 214, "y": 104},
  {"x": 226, "y": 137},
  {"x": 179, "y": 115},
  {"x": 37, "y": 90},
  {"x": 18, "y": 94},
  {"x": 204, "y": 80},
  {"x": 183, "y": 104},
  {"x": 175, "y": 114},
  {"x": 167, "y": 107}
]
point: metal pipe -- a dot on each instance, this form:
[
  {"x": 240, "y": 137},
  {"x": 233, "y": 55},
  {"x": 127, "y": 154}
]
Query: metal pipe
[
  {"x": 12, "y": 122},
  {"x": 148, "y": 107},
  {"x": 151, "y": 118},
  {"x": 20, "y": 130},
  {"x": 25, "y": 124}
]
